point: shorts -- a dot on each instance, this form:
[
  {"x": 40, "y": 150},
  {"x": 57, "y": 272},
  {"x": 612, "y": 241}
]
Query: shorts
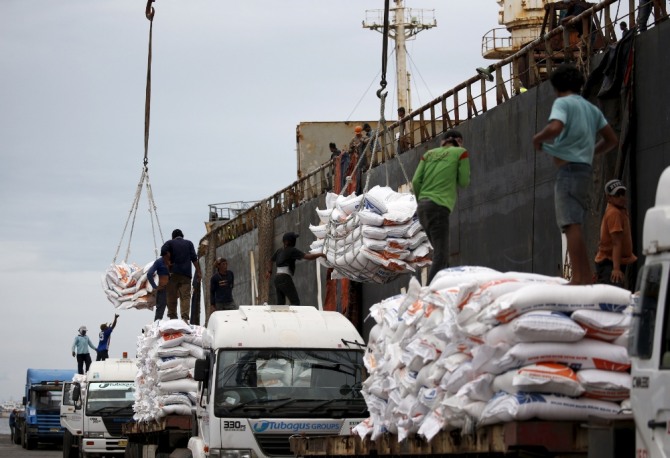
[{"x": 571, "y": 193}]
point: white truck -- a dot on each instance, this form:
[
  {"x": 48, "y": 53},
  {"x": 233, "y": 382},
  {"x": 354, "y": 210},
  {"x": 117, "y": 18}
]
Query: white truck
[
  {"x": 93, "y": 412},
  {"x": 650, "y": 333},
  {"x": 270, "y": 372}
]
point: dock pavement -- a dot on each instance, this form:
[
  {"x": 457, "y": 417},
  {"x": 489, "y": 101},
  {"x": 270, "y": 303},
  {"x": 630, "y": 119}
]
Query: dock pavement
[{"x": 10, "y": 450}]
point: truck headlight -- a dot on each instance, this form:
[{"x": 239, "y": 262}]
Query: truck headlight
[
  {"x": 95, "y": 435},
  {"x": 230, "y": 453}
]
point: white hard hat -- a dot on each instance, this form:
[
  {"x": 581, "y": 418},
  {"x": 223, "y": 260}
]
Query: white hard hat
[{"x": 83, "y": 329}]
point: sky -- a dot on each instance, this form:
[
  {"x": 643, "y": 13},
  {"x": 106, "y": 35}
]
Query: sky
[{"x": 230, "y": 82}]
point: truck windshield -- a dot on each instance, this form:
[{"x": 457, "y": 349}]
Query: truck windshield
[
  {"x": 110, "y": 398},
  {"x": 643, "y": 326},
  {"x": 289, "y": 383},
  {"x": 47, "y": 397}
]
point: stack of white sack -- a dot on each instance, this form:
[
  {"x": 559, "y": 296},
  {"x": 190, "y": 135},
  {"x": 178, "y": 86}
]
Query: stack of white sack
[
  {"x": 126, "y": 286},
  {"x": 479, "y": 347},
  {"x": 166, "y": 353},
  {"x": 81, "y": 379},
  {"x": 373, "y": 237}
]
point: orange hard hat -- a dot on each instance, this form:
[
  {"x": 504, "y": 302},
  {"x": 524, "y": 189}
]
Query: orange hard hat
[{"x": 358, "y": 129}]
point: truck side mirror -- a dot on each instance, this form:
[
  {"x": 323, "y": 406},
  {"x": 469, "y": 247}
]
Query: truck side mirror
[
  {"x": 76, "y": 392},
  {"x": 24, "y": 401},
  {"x": 201, "y": 370}
]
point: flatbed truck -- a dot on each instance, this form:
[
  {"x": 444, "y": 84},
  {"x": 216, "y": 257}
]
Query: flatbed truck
[{"x": 269, "y": 372}]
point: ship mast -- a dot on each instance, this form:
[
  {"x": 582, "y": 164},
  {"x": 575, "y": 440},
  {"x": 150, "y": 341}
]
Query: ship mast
[{"x": 405, "y": 25}]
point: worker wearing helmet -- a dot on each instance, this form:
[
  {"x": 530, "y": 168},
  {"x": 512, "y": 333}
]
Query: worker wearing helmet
[{"x": 80, "y": 349}]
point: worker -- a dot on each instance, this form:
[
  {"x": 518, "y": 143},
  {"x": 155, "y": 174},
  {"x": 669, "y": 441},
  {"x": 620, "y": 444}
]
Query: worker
[
  {"x": 182, "y": 256},
  {"x": 80, "y": 349},
  {"x": 221, "y": 287},
  {"x": 573, "y": 125},
  {"x": 12, "y": 425},
  {"x": 103, "y": 337},
  {"x": 285, "y": 259},
  {"x": 436, "y": 180},
  {"x": 615, "y": 249},
  {"x": 161, "y": 268}
]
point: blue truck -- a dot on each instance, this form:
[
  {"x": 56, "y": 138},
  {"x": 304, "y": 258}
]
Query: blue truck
[{"x": 42, "y": 401}]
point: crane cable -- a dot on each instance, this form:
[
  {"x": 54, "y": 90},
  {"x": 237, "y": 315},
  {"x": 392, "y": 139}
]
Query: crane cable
[
  {"x": 381, "y": 126},
  {"x": 144, "y": 178}
]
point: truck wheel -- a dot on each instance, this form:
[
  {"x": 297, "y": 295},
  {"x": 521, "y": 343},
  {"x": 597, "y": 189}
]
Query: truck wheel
[
  {"x": 69, "y": 445},
  {"x": 31, "y": 443},
  {"x": 133, "y": 450}
]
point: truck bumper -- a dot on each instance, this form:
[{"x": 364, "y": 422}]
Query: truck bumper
[{"x": 104, "y": 446}]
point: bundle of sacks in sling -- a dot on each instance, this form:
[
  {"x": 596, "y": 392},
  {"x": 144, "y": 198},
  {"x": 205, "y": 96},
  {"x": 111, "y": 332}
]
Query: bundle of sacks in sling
[
  {"x": 478, "y": 347},
  {"x": 166, "y": 353},
  {"x": 373, "y": 237},
  {"x": 126, "y": 286}
]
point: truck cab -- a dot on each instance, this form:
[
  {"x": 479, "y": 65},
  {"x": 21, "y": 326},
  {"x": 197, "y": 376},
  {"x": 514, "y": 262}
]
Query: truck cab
[
  {"x": 42, "y": 401},
  {"x": 271, "y": 372},
  {"x": 649, "y": 345},
  {"x": 94, "y": 411}
]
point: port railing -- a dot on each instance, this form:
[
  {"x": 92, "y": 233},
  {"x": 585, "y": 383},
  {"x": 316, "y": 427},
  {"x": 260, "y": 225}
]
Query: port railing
[{"x": 526, "y": 68}]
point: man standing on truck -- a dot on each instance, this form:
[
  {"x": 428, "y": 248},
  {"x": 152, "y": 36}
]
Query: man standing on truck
[
  {"x": 436, "y": 180},
  {"x": 615, "y": 249},
  {"x": 182, "y": 255},
  {"x": 573, "y": 125},
  {"x": 160, "y": 267},
  {"x": 103, "y": 337},
  {"x": 80, "y": 349},
  {"x": 285, "y": 259}
]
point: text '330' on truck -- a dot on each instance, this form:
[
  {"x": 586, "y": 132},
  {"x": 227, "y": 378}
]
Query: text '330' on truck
[
  {"x": 269, "y": 372},
  {"x": 42, "y": 401},
  {"x": 96, "y": 408}
]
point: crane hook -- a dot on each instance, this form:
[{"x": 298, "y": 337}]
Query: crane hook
[{"x": 149, "y": 12}]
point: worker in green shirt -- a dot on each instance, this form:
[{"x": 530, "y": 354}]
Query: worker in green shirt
[{"x": 435, "y": 183}]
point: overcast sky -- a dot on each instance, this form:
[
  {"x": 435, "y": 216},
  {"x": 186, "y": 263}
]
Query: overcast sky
[{"x": 231, "y": 80}]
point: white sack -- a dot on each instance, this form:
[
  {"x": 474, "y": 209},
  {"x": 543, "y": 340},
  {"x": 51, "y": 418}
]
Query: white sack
[
  {"x": 525, "y": 406},
  {"x": 605, "y": 385}
]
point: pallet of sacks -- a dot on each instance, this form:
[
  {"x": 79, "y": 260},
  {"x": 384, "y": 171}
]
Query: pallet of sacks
[
  {"x": 373, "y": 237},
  {"x": 479, "y": 347},
  {"x": 126, "y": 286},
  {"x": 166, "y": 353}
]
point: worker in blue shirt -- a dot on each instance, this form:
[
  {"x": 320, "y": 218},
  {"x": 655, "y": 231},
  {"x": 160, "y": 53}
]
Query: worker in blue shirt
[
  {"x": 103, "y": 337},
  {"x": 80, "y": 349}
]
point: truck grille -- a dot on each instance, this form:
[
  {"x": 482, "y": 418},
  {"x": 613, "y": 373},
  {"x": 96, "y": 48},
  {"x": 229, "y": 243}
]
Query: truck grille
[
  {"x": 48, "y": 423},
  {"x": 274, "y": 444},
  {"x": 115, "y": 424}
]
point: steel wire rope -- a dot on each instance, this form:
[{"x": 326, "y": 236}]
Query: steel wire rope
[
  {"x": 362, "y": 96},
  {"x": 382, "y": 122},
  {"x": 144, "y": 178},
  {"x": 380, "y": 94},
  {"x": 414, "y": 66}
]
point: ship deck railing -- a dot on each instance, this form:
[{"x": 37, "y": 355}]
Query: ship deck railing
[{"x": 524, "y": 69}]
